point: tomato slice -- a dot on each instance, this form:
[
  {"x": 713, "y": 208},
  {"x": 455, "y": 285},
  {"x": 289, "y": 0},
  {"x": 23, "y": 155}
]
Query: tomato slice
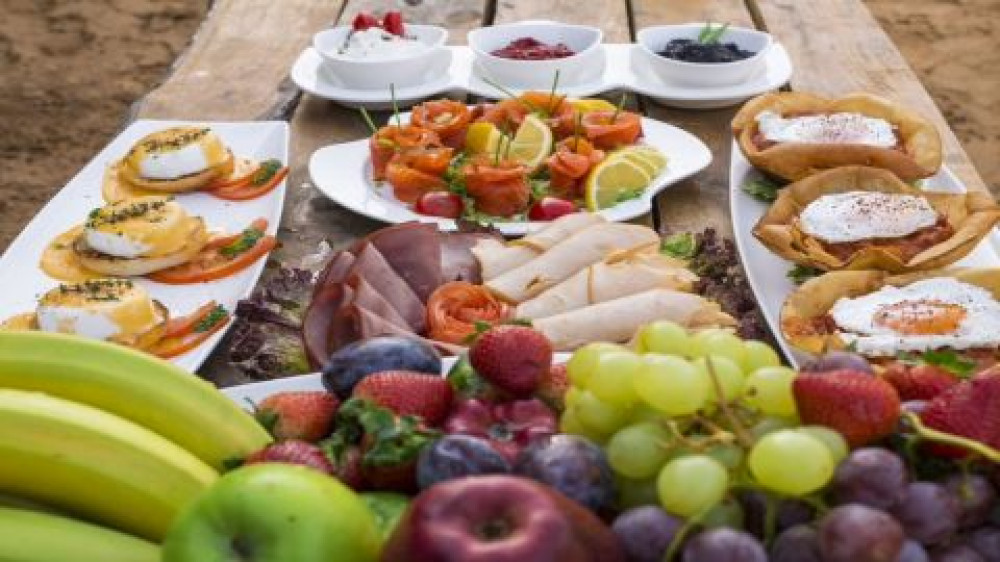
[
  {"x": 221, "y": 258},
  {"x": 197, "y": 327},
  {"x": 243, "y": 172},
  {"x": 184, "y": 325},
  {"x": 262, "y": 181}
]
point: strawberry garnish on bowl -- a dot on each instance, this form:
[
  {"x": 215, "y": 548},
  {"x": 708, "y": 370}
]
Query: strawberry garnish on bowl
[
  {"x": 862, "y": 407},
  {"x": 969, "y": 409},
  {"x": 305, "y": 415},
  {"x": 919, "y": 382},
  {"x": 408, "y": 393},
  {"x": 363, "y": 21},
  {"x": 293, "y": 452},
  {"x": 514, "y": 358}
]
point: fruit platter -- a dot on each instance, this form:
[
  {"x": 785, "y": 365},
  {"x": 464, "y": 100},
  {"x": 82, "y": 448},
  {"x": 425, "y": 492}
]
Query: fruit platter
[{"x": 507, "y": 367}]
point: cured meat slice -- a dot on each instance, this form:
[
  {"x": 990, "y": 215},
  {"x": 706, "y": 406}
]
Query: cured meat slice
[
  {"x": 356, "y": 323},
  {"x": 458, "y": 263},
  {"x": 335, "y": 271},
  {"x": 365, "y": 296},
  {"x": 318, "y": 322},
  {"x": 413, "y": 250},
  {"x": 373, "y": 267}
]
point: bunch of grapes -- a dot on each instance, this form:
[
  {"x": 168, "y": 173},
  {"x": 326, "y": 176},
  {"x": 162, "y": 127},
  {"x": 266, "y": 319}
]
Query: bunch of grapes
[{"x": 702, "y": 432}]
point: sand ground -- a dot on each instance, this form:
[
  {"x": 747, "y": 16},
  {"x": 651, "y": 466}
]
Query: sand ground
[{"x": 70, "y": 68}]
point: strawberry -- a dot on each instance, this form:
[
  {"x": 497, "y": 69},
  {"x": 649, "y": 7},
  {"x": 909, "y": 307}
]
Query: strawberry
[
  {"x": 918, "y": 382},
  {"x": 514, "y": 358},
  {"x": 408, "y": 393},
  {"x": 861, "y": 407},
  {"x": 293, "y": 452},
  {"x": 306, "y": 416},
  {"x": 347, "y": 467},
  {"x": 363, "y": 21},
  {"x": 392, "y": 22},
  {"x": 553, "y": 386},
  {"x": 968, "y": 409}
]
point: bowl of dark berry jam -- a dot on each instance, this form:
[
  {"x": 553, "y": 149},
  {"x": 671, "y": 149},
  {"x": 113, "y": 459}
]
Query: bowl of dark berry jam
[
  {"x": 700, "y": 54},
  {"x": 526, "y": 55}
]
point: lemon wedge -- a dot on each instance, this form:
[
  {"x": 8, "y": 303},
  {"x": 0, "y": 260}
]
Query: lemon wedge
[
  {"x": 646, "y": 157},
  {"x": 614, "y": 180},
  {"x": 532, "y": 143},
  {"x": 483, "y": 138},
  {"x": 588, "y": 105}
]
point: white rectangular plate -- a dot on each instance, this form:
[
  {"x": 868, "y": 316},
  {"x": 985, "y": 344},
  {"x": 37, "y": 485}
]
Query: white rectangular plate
[
  {"x": 24, "y": 282},
  {"x": 767, "y": 272},
  {"x": 342, "y": 172}
]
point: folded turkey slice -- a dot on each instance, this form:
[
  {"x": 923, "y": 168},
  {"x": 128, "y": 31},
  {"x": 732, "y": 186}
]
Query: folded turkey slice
[
  {"x": 496, "y": 257},
  {"x": 569, "y": 256},
  {"x": 619, "y": 275},
  {"x": 617, "y": 320}
]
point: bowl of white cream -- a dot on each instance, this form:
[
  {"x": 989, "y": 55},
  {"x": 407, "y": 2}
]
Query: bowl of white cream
[{"x": 374, "y": 59}]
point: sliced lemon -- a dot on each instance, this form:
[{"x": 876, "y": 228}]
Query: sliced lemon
[
  {"x": 587, "y": 105},
  {"x": 646, "y": 157},
  {"x": 532, "y": 143},
  {"x": 615, "y": 180},
  {"x": 483, "y": 138}
]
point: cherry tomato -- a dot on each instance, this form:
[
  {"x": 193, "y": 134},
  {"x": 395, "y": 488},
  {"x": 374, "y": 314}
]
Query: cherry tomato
[
  {"x": 363, "y": 21},
  {"x": 440, "y": 204},
  {"x": 393, "y": 22},
  {"x": 550, "y": 208}
]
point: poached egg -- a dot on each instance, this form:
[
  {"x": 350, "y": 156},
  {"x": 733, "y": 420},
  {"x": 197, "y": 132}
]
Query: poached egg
[
  {"x": 177, "y": 152},
  {"x": 864, "y": 215},
  {"x": 140, "y": 227},
  {"x": 833, "y": 128},
  {"x": 105, "y": 309},
  {"x": 935, "y": 313}
]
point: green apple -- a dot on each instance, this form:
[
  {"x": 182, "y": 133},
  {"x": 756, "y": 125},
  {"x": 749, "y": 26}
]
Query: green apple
[
  {"x": 388, "y": 508},
  {"x": 275, "y": 512}
]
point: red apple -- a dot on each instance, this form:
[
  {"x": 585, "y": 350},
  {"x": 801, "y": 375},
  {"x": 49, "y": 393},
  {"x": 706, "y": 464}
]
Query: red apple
[{"x": 499, "y": 518}]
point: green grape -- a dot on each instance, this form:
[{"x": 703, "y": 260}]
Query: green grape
[
  {"x": 727, "y": 513},
  {"x": 638, "y": 451},
  {"x": 613, "y": 377},
  {"x": 570, "y": 423},
  {"x": 599, "y": 416},
  {"x": 833, "y": 440},
  {"x": 571, "y": 397},
  {"x": 644, "y": 413},
  {"x": 769, "y": 389},
  {"x": 690, "y": 485},
  {"x": 663, "y": 337},
  {"x": 758, "y": 354},
  {"x": 730, "y": 455},
  {"x": 770, "y": 424},
  {"x": 582, "y": 365},
  {"x": 636, "y": 493},
  {"x": 671, "y": 385},
  {"x": 729, "y": 374},
  {"x": 720, "y": 342},
  {"x": 791, "y": 462}
]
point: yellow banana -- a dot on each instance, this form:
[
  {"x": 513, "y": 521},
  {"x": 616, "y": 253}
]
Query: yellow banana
[
  {"x": 148, "y": 391},
  {"x": 95, "y": 464},
  {"x": 30, "y": 536}
]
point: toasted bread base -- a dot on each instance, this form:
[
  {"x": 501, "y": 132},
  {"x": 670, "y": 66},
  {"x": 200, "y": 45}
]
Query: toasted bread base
[{"x": 129, "y": 267}]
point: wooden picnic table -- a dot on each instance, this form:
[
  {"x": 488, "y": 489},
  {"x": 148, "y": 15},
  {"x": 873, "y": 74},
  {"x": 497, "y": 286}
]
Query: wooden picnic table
[{"x": 236, "y": 68}]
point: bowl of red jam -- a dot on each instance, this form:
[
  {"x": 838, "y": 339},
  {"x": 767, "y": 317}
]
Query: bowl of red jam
[
  {"x": 526, "y": 55},
  {"x": 703, "y": 55}
]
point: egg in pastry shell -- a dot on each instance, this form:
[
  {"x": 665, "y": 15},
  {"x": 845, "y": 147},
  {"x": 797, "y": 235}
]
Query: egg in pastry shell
[
  {"x": 957, "y": 222},
  {"x": 916, "y": 154},
  {"x": 176, "y": 160}
]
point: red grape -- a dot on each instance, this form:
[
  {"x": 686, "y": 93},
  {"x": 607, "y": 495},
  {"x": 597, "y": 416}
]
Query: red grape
[
  {"x": 870, "y": 476},
  {"x": 854, "y": 532},
  {"x": 928, "y": 513}
]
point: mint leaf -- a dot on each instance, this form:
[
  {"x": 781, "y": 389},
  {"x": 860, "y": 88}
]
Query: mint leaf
[
  {"x": 802, "y": 273},
  {"x": 950, "y": 361},
  {"x": 681, "y": 246},
  {"x": 762, "y": 190}
]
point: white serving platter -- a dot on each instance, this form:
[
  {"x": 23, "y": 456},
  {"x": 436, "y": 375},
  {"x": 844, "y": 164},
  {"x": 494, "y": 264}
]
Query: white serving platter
[
  {"x": 24, "y": 281},
  {"x": 343, "y": 173},
  {"x": 623, "y": 69},
  {"x": 767, "y": 272}
]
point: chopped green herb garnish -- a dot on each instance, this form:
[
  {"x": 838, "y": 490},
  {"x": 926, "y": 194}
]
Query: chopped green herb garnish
[
  {"x": 761, "y": 190},
  {"x": 947, "y": 359},
  {"x": 681, "y": 246},
  {"x": 265, "y": 172},
  {"x": 710, "y": 35},
  {"x": 248, "y": 239},
  {"x": 802, "y": 273},
  {"x": 217, "y": 315}
]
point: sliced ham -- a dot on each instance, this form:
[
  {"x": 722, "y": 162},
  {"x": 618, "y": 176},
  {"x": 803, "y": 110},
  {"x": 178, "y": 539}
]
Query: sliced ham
[
  {"x": 365, "y": 296},
  {"x": 356, "y": 323},
  {"x": 413, "y": 250},
  {"x": 318, "y": 322},
  {"x": 335, "y": 271},
  {"x": 373, "y": 267},
  {"x": 457, "y": 260}
]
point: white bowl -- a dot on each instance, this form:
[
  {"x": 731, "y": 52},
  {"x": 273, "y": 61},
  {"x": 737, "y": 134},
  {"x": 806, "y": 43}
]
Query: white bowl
[
  {"x": 653, "y": 39},
  {"x": 407, "y": 69},
  {"x": 583, "y": 66}
]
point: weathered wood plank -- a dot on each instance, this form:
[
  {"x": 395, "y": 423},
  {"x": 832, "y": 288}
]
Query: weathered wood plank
[
  {"x": 309, "y": 217},
  {"x": 850, "y": 52},
  {"x": 703, "y": 200},
  {"x": 609, "y": 15},
  {"x": 237, "y": 64}
]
